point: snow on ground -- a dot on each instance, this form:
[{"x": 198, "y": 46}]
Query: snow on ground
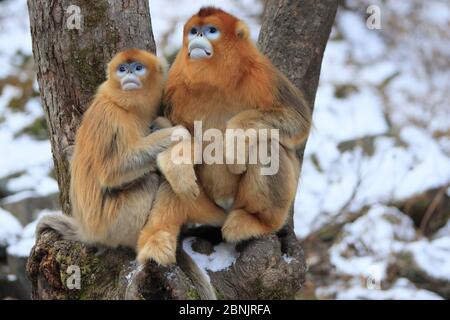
[
  {"x": 14, "y": 33},
  {"x": 382, "y": 102},
  {"x": 444, "y": 231},
  {"x": 396, "y": 162},
  {"x": 432, "y": 256},
  {"x": 367, "y": 244},
  {"x": 10, "y": 229},
  {"x": 26, "y": 241},
  {"x": 23, "y": 154},
  {"x": 402, "y": 289}
]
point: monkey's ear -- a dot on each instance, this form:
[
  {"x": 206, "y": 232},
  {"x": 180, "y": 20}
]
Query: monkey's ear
[{"x": 242, "y": 30}]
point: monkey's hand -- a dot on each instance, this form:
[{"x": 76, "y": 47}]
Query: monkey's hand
[
  {"x": 165, "y": 138},
  {"x": 160, "y": 123},
  {"x": 240, "y": 147},
  {"x": 181, "y": 176}
]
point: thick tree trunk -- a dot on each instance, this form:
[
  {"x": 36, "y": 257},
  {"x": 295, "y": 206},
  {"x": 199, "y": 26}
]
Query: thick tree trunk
[{"x": 71, "y": 65}]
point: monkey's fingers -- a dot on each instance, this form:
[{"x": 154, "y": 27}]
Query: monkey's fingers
[{"x": 162, "y": 122}]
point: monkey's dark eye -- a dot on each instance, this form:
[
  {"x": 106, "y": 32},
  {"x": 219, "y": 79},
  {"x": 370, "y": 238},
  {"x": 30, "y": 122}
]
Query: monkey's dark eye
[
  {"x": 193, "y": 31},
  {"x": 211, "y": 32},
  {"x": 122, "y": 69},
  {"x": 138, "y": 68}
]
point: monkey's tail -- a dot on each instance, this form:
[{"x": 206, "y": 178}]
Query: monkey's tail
[
  {"x": 61, "y": 223},
  {"x": 187, "y": 264}
]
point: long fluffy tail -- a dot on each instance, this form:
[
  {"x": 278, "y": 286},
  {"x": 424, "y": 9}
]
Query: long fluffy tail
[
  {"x": 200, "y": 280},
  {"x": 61, "y": 223}
]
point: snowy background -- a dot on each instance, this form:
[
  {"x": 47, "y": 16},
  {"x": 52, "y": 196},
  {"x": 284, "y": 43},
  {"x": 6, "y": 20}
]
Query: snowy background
[{"x": 373, "y": 204}]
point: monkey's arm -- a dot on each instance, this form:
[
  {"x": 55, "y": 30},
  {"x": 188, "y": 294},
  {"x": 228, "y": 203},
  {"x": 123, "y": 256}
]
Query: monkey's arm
[
  {"x": 293, "y": 127},
  {"x": 290, "y": 115},
  {"x": 138, "y": 160}
]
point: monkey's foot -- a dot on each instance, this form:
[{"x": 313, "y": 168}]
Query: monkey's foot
[
  {"x": 184, "y": 184},
  {"x": 187, "y": 191},
  {"x": 237, "y": 168},
  {"x": 160, "y": 247},
  {"x": 241, "y": 225}
]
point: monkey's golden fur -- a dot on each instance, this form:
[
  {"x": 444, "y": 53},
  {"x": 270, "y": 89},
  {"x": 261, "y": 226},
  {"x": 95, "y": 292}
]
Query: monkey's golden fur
[
  {"x": 237, "y": 87},
  {"x": 107, "y": 188},
  {"x": 113, "y": 167}
]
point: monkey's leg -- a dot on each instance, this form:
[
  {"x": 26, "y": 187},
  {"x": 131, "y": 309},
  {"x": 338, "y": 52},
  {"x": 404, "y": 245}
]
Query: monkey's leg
[
  {"x": 158, "y": 239},
  {"x": 263, "y": 201}
]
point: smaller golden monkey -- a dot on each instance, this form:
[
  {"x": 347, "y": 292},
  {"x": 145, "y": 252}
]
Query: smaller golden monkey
[
  {"x": 114, "y": 175},
  {"x": 114, "y": 178}
]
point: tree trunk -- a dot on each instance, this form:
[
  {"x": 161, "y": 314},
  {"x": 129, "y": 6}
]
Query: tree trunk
[{"x": 71, "y": 64}]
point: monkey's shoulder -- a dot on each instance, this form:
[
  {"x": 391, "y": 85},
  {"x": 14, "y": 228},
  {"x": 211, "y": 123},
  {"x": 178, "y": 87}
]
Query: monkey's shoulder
[{"x": 287, "y": 94}]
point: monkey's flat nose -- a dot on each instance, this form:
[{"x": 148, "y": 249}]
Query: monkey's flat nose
[
  {"x": 199, "y": 48},
  {"x": 199, "y": 43}
]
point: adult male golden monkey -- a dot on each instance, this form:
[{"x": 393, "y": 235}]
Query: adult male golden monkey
[{"x": 221, "y": 79}]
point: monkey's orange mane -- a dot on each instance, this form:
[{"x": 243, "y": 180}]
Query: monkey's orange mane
[{"x": 245, "y": 74}]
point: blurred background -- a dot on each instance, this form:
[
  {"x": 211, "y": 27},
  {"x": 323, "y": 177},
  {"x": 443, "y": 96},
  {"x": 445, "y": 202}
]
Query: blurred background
[{"x": 373, "y": 205}]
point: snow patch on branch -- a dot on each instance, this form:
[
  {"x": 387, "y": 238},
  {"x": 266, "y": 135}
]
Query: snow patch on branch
[{"x": 223, "y": 257}]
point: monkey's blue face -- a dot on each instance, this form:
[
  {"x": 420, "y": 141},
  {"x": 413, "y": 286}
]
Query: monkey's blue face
[
  {"x": 199, "y": 37},
  {"x": 129, "y": 75}
]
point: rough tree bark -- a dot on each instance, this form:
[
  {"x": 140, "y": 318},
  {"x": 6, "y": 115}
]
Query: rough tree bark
[{"x": 71, "y": 65}]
